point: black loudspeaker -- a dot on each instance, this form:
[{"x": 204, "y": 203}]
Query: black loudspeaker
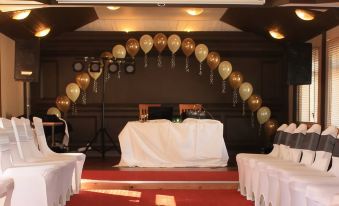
[
  {"x": 299, "y": 64},
  {"x": 27, "y": 60}
]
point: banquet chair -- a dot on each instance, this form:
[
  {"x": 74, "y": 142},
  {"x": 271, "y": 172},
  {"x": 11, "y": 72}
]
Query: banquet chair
[
  {"x": 30, "y": 153},
  {"x": 6, "y": 190},
  {"x": 184, "y": 107},
  {"x": 288, "y": 154},
  {"x": 274, "y": 153},
  {"x": 249, "y": 164},
  {"x": 33, "y": 185},
  {"x": 328, "y": 178},
  {"x": 143, "y": 108},
  {"x": 48, "y": 153},
  {"x": 265, "y": 187},
  {"x": 280, "y": 178}
]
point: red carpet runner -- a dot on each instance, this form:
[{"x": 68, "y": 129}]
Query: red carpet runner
[
  {"x": 168, "y": 197},
  {"x": 160, "y": 175}
]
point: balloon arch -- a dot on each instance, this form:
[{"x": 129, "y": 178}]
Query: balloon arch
[{"x": 174, "y": 43}]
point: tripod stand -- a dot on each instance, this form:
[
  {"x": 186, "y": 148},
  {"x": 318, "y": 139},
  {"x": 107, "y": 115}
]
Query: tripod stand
[{"x": 102, "y": 132}]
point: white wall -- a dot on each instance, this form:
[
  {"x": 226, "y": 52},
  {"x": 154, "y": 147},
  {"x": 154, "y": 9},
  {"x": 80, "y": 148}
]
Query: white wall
[{"x": 12, "y": 96}]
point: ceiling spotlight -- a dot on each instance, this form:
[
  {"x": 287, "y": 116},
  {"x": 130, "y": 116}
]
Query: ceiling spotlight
[
  {"x": 276, "y": 34},
  {"x": 129, "y": 68},
  {"x": 113, "y": 67},
  {"x": 43, "y": 32},
  {"x": 113, "y": 8},
  {"x": 305, "y": 14},
  {"x": 95, "y": 66},
  {"x": 78, "y": 66},
  {"x": 195, "y": 11},
  {"x": 19, "y": 15}
]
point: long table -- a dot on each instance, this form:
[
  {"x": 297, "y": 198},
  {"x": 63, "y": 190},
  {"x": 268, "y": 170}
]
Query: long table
[{"x": 161, "y": 143}]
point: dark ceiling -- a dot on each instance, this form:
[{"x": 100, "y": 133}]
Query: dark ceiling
[{"x": 250, "y": 19}]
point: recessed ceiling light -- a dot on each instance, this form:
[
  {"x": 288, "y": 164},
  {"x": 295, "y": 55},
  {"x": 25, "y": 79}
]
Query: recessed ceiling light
[
  {"x": 113, "y": 8},
  {"x": 43, "y": 32},
  {"x": 276, "y": 34},
  {"x": 195, "y": 11},
  {"x": 19, "y": 15},
  {"x": 305, "y": 14}
]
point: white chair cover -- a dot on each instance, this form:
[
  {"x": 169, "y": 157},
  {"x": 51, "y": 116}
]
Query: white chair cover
[
  {"x": 31, "y": 154},
  {"x": 6, "y": 190},
  {"x": 323, "y": 195},
  {"x": 241, "y": 158},
  {"x": 47, "y": 152},
  {"x": 43, "y": 178},
  {"x": 280, "y": 178}
]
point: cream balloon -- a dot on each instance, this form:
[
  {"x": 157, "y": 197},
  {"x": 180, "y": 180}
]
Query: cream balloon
[
  {"x": 174, "y": 43},
  {"x": 73, "y": 91},
  {"x": 54, "y": 111},
  {"x": 245, "y": 91},
  {"x": 146, "y": 43},
  {"x": 119, "y": 51},
  {"x": 201, "y": 52},
  {"x": 94, "y": 75},
  {"x": 225, "y": 69},
  {"x": 263, "y": 115}
]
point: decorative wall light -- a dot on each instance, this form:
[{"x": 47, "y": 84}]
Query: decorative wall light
[
  {"x": 305, "y": 14},
  {"x": 113, "y": 8},
  {"x": 43, "y": 32},
  {"x": 78, "y": 66},
  {"x": 95, "y": 66},
  {"x": 275, "y": 33},
  {"x": 195, "y": 11},
  {"x": 130, "y": 68},
  {"x": 20, "y": 15},
  {"x": 26, "y": 73}
]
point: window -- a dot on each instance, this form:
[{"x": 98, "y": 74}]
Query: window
[
  {"x": 333, "y": 83},
  {"x": 308, "y": 94}
]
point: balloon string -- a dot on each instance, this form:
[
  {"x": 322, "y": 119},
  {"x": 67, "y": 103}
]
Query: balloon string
[
  {"x": 95, "y": 86},
  {"x": 252, "y": 119},
  {"x": 187, "y": 68},
  {"x": 173, "y": 61},
  {"x": 235, "y": 98},
  {"x": 84, "y": 97},
  {"x": 243, "y": 108},
  {"x": 211, "y": 77},
  {"x": 119, "y": 71},
  {"x": 107, "y": 75},
  {"x": 223, "y": 87},
  {"x": 259, "y": 132},
  {"x": 159, "y": 61},
  {"x": 145, "y": 61},
  {"x": 74, "y": 109},
  {"x": 200, "y": 69}
]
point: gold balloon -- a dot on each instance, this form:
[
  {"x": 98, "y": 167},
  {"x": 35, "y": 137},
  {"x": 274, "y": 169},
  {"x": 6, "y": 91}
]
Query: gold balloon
[
  {"x": 254, "y": 102},
  {"x": 245, "y": 91},
  {"x": 263, "y": 115},
  {"x": 201, "y": 52},
  {"x": 160, "y": 42},
  {"x": 174, "y": 42},
  {"x": 235, "y": 80},
  {"x": 83, "y": 80},
  {"x": 73, "y": 91},
  {"x": 119, "y": 51},
  {"x": 213, "y": 60},
  {"x": 132, "y": 47},
  {"x": 146, "y": 43},
  {"x": 106, "y": 55},
  {"x": 225, "y": 69},
  {"x": 63, "y": 103},
  {"x": 270, "y": 127},
  {"x": 188, "y": 46},
  {"x": 94, "y": 75},
  {"x": 54, "y": 111}
]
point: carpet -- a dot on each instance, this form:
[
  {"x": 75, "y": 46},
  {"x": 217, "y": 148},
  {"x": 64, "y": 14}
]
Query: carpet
[
  {"x": 159, "y": 197},
  {"x": 116, "y": 175}
]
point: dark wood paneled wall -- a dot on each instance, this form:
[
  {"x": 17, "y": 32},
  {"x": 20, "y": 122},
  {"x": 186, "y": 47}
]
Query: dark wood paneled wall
[{"x": 261, "y": 61}]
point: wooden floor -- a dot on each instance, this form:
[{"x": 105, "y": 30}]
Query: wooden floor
[{"x": 108, "y": 164}]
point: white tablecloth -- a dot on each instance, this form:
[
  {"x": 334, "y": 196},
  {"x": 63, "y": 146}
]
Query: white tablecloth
[{"x": 161, "y": 143}]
